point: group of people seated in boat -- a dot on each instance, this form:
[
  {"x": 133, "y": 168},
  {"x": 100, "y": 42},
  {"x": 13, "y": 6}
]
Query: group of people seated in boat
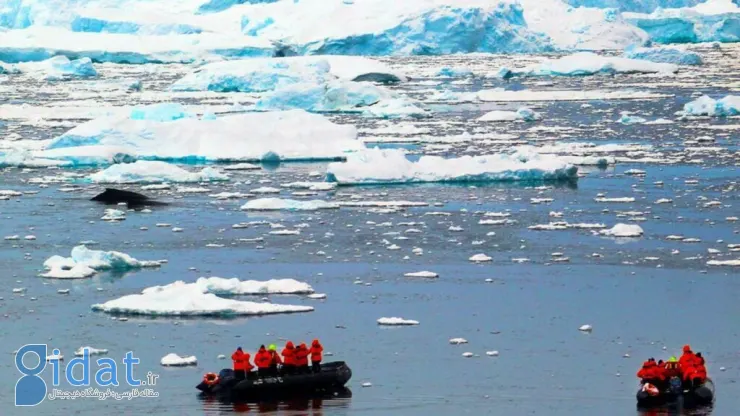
[
  {"x": 690, "y": 368},
  {"x": 294, "y": 360}
]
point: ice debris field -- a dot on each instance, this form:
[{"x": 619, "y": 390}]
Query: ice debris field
[{"x": 389, "y": 177}]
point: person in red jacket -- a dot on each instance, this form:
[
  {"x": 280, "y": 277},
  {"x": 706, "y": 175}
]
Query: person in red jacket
[
  {"x": 649, "y": 373},
  {"x": 274, "y": 359},
  {"x": 301, "y": 358},
  {"x": 241, "y": 363},
  {"x": 700, "y": 371},
  {"x": 262, "y": 360},
  {"x": 687, "y": 363},
  {"x": 289, "y": 358},
  {"x": 316, "y": 355}
]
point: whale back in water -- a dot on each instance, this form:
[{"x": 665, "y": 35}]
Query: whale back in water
[{"x": 117, "y": 196}]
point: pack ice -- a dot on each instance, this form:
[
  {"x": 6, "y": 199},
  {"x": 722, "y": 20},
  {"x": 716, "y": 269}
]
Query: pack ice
[
  {"x": 170, "y": 133},
  {"x": 707, "y": 106},
  {"x": 588, "y": 63},
  {"x": 376, "y": 166},
  {"x": 144, "y": 171}
]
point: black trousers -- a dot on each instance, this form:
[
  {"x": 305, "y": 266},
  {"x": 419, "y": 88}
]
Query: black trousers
[
  {"x": 264, "y": 372},
  {"x": 316, "y": 366}
]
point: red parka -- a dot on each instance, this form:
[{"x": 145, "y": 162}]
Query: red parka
[
  {"x": 316, "y": 351},
  {"x": 289, "y": 354}
]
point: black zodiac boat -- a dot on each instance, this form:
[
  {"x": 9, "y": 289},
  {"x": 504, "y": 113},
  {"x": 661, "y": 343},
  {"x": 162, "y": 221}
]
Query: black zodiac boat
[
  {"x": 332, "y": 377},
  {"x": 650, "y": 396}
]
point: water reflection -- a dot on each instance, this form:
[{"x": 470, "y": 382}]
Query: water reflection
[
  {"x": 675, "y": 411},
  {"x": 304, "y": 405}
]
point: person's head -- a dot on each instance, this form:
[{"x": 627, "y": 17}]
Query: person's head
[
  {"x": 660, "y": 362},
  {"x": 262, "y": 347},
  {"x": 698, "y": 354},
  {"x": 272, "y": 347},
  {"x": 686, "y": 349},
  {"x": 289, "y": 345},
  {"x": 315, "y": 342},
  {"x": 303, "y": 345},
  {"x": 673, "y": 359}
]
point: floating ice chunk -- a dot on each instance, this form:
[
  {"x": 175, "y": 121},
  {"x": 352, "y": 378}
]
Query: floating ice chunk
[
  {"x": 710, "y": 21},
  {"x": 424, "y": 274},
  {"x": 455, "y": 72},
  {"x": 242, "y": 166},
  {"x": 9, "y": 193},
  {"x": 183, "y": 299},
  {"x": 735, "y": 262},
  {"x": 273, "y": 136},
  {"x": 367, "y": 384},
  {"x": 312, "y": 186},
  {"x": 480, "y": 258},
  {"x": 234, "y": 286},
  {"x": 397, "y": 321},
  {"x": 501, "y": 95},
  {"x": 458, "y": 341},
  {"x": 628, "y": 119},
  {"x": 317, "y": 296},
  {"x": 586, "y": 328},
  {"x": 174, "y": 360},
  {"x": 265, "y": 190},
  {"x": 146, "y": 171},
  {"x": 619, "y": 200},
  {"x": 623, "y": 230},
  {"x": 467, "y": 354},
  {"x": 375, "y": 166},
  {"x": 492, "y": 353},
  {"x": 59, "y": 68},
  {"x": 273, "y": 204},
  {"x": 113, "y": 215},
  {"x": 85, "y": 262},
  {"x": 55, "y": 357},
  {"x": 707, "y": 106},
  {"x": 588, "y": 63},
  {"x": 90, "y": 351},
  {"x": 523, "y": 113},
  {"x": 665, "y": 55}
]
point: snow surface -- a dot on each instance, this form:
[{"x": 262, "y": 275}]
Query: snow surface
[
  {"x": 174, "y": 360},
  {"x": 395, "y": 321},
  {"x": 374, "y": 166},
  {"x": 524, "y": 114},
  {"x": 275, "y": 204},
  {"x": 84, "y": 262},
  {"x": 707, "y": 106},
  {"x": 234, "y": 286},
  {"x": 170, "y": 133},
  {"x": 58, "y": 68},
  {"x": 588, "y": 63},
  {"x": 145, "y": 171},
  {"x": 188, "y": 299},
  {"x": 623, "y": 230}
]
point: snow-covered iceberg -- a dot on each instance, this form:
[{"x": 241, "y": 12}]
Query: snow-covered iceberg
[
  {"x": 665, "y": 55},
  {"x": 389, "y": 27},
  {"x": 267, "y": 74},
  {"x": 145, "y": 171},
  {"x": 278, "y": 204},
  {"x": 234, "y": 286},
  {"x": 84, "y": 262},
  {"x": 39, "y": 43},
  {"x": 588, "y": 63},
  {"x": 641, "y": 6},
  {"x": 709, "y": 21},
  {"x": 623, "y": 230},
  {"x": 707, "y": 106},
  {"x": 376, "y": 166},
  {"x": 187, "y": 299},
  {"x": 169, "y": 134},
  {"x": 174, "y": 360}
]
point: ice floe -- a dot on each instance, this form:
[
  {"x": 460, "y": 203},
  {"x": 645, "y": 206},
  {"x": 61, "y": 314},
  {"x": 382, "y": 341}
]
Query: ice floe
[
  {"x": 184, "y": 299},
  {"x": 395, "y": 321},
  {"x": 174, "y": 360},
  {"x": 84, "y": 262},
  {"x": 524, "y": 114},
  {"x": 90, "y": 351},
  {"x": 665, "y": 55},
  {"x": 588, "y": 63},
  {"x": 171, "y": 133},
  {"x": 707, "y": 106},
  {"x": 375, "y": 166},
  {"x": 59, "y": 68},
  {"x": 146, "y": 171},
  {"x": 234, "y": 286},
  {"x": 623, "y": 230},
  {"x": 275, "y": 204},
  {"x": 424, "y": 274}
]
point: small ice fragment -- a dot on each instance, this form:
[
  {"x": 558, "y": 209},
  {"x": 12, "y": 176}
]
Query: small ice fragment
[
  {"x": 586, "y": 328},
  {"x": 458, "y": 341},
  {"x": 492, "y": 353},
  {"x": 174, "y": 360},
  {"x": 467, "y": 354}
]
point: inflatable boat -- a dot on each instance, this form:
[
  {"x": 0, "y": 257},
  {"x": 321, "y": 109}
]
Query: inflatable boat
[
  {"x": 674, "y": 393},
  {"x": 332, "y": 377}
]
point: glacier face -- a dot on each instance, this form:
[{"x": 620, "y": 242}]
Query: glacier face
[{"x": 641, "y": 6}]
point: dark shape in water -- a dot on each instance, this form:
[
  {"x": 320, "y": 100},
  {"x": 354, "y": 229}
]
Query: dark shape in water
[
  {"x": 695, "y": 397},
  {"x": 377, "y": 77},
  {"x": 117, "y": 196},
  {"x": 332, "y": 378}
]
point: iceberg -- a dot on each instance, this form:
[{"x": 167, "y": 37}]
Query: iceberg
[
  {"x": 664, "y": 55},
  {"x": 524, "y": 114},
  {"x": 187, "y": 299},
  {"x": 278, "y": 204},
  {"x": 710, "y": 21},
  {"x": 395, "y": 321},
  {"x": 272, "y": 136},
  {"x": 39, "y": 43},
  {"x": 268, "y": 74},
  {"x": 84, "y": 262},
  {"x": 59, "y": 68},
  {"x": 641, "y": 6},
  {"x": 145, "y": 171},
  {"x": 588, "y": 63},
  {"x": 213, "y": 6},
  {"x": 378, "y": 166},
  {"x": 707, "y": 106},
  {"x": 623, "y": 230},
  {"x": 388, "y": 27}
]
